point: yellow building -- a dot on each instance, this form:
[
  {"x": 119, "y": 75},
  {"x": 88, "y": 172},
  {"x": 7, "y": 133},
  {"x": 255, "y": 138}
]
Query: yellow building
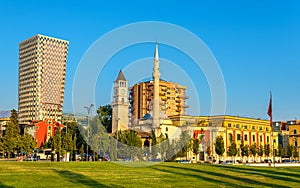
[
  {"x": 294, "y": 135},
  {"x": 3, "y": 124},
  {"x": 172, "y": 99},
  {"x": 232, "y": 129}
]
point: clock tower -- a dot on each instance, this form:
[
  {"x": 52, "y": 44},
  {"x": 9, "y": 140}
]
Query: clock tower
[{"x": 120, "y": 104}]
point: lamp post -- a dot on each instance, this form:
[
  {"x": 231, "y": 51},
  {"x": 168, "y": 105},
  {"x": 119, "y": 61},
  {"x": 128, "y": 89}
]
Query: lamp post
[{"x": 88, "y": 131}]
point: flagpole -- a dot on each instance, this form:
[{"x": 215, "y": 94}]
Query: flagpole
[{"x": 271, "y": 125}]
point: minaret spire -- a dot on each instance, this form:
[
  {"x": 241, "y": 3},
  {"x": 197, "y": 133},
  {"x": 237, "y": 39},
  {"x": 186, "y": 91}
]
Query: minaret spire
[
  {"x": 156, "y": 77},
  {"x": 156, "y": 52}
]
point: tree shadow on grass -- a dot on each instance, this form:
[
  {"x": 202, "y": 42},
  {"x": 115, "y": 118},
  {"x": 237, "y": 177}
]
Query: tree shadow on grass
[
  {"x": 284, "y": 176},
  {"x": 204, "y": 178},
  {"x": 80, "y": 179},
  {"x": 5, "y": 186},
  {"x": 230, "y": 177}
]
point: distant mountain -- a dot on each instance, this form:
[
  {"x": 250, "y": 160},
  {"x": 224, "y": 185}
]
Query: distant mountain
[{"x": 4, "y": 114}]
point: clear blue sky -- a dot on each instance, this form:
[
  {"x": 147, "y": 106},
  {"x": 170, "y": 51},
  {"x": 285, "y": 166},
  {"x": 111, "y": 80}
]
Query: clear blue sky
[{"x": 256, "y": 44}]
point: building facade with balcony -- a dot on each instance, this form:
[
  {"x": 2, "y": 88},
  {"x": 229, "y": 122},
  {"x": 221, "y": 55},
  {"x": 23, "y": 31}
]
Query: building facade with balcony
[{"x": 172, "y": 99}]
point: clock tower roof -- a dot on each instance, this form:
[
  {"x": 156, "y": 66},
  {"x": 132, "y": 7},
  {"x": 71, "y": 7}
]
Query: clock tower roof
[{"x": 121, "y": 76}]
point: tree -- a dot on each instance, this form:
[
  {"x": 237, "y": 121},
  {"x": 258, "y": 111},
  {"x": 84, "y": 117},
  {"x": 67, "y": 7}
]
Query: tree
[
  {"x": 267, "y": 150},
  {"x": 129, "y": 145},
  {"x": 105, "y": 116},
  {"x": 1, "y": 145},
  {"x": 81, "y": 152},
  {"x": 243, "y": 150},
  {"x": 74, "y": 148},
  {"x": 295, "y": 152},
  {"x": 67, "y": 144},
  {"x": 112, "y": 148},
  {"x": 232, "y": 150},
  {"x": 98, "y": 137},
  {"x": 280, "y": 151},
  {"x": 57, "y": 143},
  {"x": 12, "y": 138},
  {"x": 285, "y": 152},
  {"x": 219, "y": 146},
  {"x": 247, "y": 151},
  {"x": 289, "y": 151},
  {"x": 162, "y": 146},
  {"x": 196, "y": 143},
  {"x": 154, "y": 144},
  {"x": 260, "y": 151},
  {"x": 253, "y": 150},
  {"x": 28, "y": 143},
  {"x": 185, "y": 144}
]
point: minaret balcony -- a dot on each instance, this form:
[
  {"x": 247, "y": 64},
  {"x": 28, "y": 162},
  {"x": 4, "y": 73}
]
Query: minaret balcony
[{"x": 184, "y": 96}]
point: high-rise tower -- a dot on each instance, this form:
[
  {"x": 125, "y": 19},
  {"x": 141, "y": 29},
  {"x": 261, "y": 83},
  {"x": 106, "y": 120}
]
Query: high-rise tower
[
  {"x": 156, "y": 76},
  {"x": 172, "y": 99},
  {"x": 42, "y": 72},
  {"x": 120, "y": 104}
]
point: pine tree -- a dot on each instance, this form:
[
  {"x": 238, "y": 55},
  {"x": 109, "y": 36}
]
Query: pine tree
[
  {"x": 74, "y": 149},
  {"x": 57, "y": 143},
  {"x": 12, "y": 138}
]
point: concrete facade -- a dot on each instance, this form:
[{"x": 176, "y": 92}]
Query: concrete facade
[{"x": 42, "y": 71}]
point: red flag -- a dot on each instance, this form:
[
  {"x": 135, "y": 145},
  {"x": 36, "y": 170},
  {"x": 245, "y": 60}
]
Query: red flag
[{"x": 270, "y": 109}]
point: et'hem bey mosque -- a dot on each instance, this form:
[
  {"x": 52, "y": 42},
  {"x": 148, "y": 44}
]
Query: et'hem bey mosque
[{"x": 151, "y": 106}]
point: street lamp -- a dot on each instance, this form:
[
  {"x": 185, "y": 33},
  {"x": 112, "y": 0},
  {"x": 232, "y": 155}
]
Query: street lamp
[{"x": 88, "y": 131}]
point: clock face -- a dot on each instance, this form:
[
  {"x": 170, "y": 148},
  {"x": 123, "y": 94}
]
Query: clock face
[{"x": 123, "y": 91}]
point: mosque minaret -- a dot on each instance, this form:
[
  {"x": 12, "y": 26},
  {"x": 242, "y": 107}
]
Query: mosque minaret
[{"x": 156, "y": 77}]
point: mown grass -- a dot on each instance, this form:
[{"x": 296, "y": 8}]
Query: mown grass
[{"x": 108, "y": 174}]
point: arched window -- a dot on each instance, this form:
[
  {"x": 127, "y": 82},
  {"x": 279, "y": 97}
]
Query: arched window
[
  {"x": 147, "y": 143},
  {"x": 230, "y": 137},
  {"x": 295, "y": 131}
]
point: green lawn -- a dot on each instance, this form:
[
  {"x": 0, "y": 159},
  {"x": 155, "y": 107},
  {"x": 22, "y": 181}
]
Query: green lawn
[{"x": 107, "y": 174}]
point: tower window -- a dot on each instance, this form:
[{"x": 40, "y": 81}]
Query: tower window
[{"x": 295, "y": 131}]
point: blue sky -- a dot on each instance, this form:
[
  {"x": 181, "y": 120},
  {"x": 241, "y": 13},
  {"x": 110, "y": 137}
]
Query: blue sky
[{"x": 256, "y": 44}]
